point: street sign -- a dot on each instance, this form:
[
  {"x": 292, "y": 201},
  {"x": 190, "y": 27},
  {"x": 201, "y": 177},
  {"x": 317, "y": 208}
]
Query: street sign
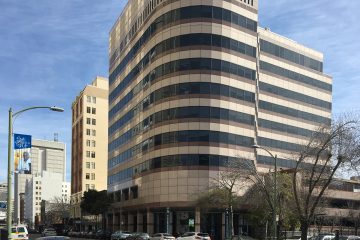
[{"x": 2, "y": 205}]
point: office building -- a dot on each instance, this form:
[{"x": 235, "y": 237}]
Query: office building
[
  {"x": 3, "y": 191},
  {"x": 89, "y": 145},
  {"x": 3, "y": 198},
  {"x": 193, "y": 85},
  {"x": 49, "y": 156}
]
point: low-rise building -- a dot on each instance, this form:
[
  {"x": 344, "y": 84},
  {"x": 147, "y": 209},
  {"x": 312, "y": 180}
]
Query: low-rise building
[{"x": 46, "y": 187}]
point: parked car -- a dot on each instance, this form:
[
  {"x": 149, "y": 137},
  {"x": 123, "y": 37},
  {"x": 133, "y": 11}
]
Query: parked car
[
  {"x": 32, "y": 231},
  {"x": 349, "y": 237},
  {"x": 241, "y": 237},
  {"x": 119, "y": 235},
  {"x": 19, "y": 232},
  {"x": 53, "y": 238},
  {"x": 82, "y": 234},
  {"x": 326, "y": 236},
  {"x": 299, "y": 238},
  {"x": 138, "y": 236},
  {"x": 194, "y": 236},
  {"x": 162, "y": 236},
  {"x": 101, "y": 234},
  {"x": 48, "y": 232},
  {"x": 90, "y": 234}
]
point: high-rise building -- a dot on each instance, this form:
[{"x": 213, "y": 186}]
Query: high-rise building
[
  {"x": 47, "y": 156},
  {"x": 89, "y": 145},
  {"x": 193, "y": 85}
]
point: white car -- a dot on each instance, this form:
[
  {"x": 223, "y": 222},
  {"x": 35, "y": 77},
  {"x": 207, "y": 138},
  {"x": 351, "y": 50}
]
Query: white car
[
  {"x": 349, "y": 238},
  {"x": 162, "y": 236},
  {"x": 194, "y": 236},
  {"x": 48, "y": 232},
  {"x": 325, "y": 236},
  {"x": 19, "y": 232}
]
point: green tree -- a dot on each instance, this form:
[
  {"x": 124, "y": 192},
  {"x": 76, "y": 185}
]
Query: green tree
[{"x": 95, "y": 203}]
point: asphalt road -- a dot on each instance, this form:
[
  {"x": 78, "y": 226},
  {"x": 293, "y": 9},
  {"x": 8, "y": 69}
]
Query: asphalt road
[{"x": 35, "y": 236}]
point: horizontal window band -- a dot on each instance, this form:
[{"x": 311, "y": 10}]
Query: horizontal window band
[
  {"x": 203, "y": 63},
  {"x": 205, "y": 89},
  {"x": 285, "y": 163},
  {"x": 189, "y": 160},
  {"x": 290, "y": 55},
  {"x": 272, "y": 107},
  {"x": 285, "y": 128},
  {"x": 177, "y": 137},
  {"x": 171, "y": 17},
  {"x": 187, "y": 64},
  {"x": 182, "y": 113},
  {"x": 295, "y": 76},
  {"x": 294, "y": 95},
  {"x": 272, "y": 143},
  {"x": 187, "y": 40}
]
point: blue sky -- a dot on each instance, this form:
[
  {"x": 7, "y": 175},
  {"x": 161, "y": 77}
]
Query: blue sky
[{"x": 49, "y": 50}]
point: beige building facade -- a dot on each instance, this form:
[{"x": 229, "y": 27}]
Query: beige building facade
[
  {"x": 89, "y": 146},
  {"x": 193, "y": 85}
]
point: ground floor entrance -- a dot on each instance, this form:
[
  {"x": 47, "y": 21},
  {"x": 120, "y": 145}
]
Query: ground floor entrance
[{"x": 177, "y": 221}]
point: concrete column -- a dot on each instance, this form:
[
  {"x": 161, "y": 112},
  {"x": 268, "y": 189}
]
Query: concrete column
[
  {"x": 150, "y": 221},
  {"x": 130, "y": 222},
  {"x": 197, "y": 220},
  {"x": 121, "y": 221},
  {"x": 223, "y": 225},
  {"x": 115, "y": 221},
  {"x": 140, "y": 222}
]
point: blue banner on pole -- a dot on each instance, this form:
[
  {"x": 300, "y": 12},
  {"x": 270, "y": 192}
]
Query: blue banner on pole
[
  {"x": 22, "y": 141},
  {"x": 22, "y": 153}
]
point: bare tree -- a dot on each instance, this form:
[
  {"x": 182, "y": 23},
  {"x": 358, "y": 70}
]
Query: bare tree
[
  {"x": 225, "y": 190},
  {"x": 56, "y": 210},
  {"x": 354, "y": 216},
  {"x": 328, "y": 152},
  {"x": 261, "y": 198}
]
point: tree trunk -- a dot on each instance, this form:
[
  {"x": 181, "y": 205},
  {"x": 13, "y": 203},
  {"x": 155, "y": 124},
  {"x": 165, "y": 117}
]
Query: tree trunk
[{"x": 304, "y": 227}]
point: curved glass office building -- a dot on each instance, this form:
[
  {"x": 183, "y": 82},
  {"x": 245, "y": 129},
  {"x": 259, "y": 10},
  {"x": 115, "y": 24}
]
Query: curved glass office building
[{"x": 190, "y": 90}]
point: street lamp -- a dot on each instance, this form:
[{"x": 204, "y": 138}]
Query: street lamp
[
  {"x": 275, "y": 187},
  {"x": 9, "y": 180}
]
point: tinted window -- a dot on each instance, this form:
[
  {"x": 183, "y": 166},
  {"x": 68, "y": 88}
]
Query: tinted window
[
  {"x": 203, "y": 234},
  {"x": 295, "y": 76},
  {"x": 291, "y": 55}
]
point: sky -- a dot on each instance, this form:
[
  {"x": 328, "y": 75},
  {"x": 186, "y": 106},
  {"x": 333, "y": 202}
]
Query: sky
[{"x": 50, "y": 50}]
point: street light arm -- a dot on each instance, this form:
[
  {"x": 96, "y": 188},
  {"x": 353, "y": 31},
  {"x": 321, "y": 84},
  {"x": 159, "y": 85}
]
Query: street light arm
[
  {"x": 37, "y": 107},
  {"x": 258, "y": 146}
]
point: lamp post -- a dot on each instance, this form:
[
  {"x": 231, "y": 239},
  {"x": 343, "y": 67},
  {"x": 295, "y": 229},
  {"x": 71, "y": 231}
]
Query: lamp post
[
  {"x": 9, "y": 173},
  {"x": 275, "y": 187}
]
